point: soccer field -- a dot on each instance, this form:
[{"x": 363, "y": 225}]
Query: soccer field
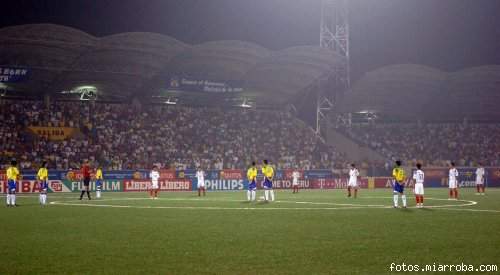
[{"x": 313, "y": 232}]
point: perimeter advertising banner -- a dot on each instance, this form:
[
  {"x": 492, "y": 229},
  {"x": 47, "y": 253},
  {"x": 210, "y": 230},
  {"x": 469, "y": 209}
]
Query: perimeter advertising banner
[
  {"x": 131, "y": 185},
  {"x": 232, "y": 179},
  {"x": 32, "y": 186},
  {"x": 336, "y": 183}
]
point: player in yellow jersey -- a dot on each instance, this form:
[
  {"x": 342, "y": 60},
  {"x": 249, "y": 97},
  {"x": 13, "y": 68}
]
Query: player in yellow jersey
[
  {"x": 43, "y": 176},
  {"x": 268, "y": 172},
  {"x": 13, "y": 176},
  {"x": 252, "y": 183},
  {"x": 98, "y": 182},
  {"x": 399, "y": 177}
]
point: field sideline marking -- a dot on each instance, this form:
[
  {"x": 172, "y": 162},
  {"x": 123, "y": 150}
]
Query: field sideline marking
[
  {"x": 206, "y": 207},
  {"x": 347, "y": 206}
]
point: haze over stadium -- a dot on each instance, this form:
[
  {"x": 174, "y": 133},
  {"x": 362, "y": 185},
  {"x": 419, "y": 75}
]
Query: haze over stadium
[{"x": 181, "y": 120}]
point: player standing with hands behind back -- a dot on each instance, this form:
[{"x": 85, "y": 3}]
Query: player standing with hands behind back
[
  {"x": 419, "y": 176},
  {"x": 42, "y": 176},
  {"x": 480, "y": 179},
  {"x": 399, "y": 176},
  {"x": 252, "y": 184},
  {"x": 98, "y": 182},
  {"x": 12, "y": 176},
  {"x": 155, "y": 176},
  {"x": 268, "y": 172},
  {"x": 453, "y": 182},
  {"x": 200, "y": 176},
  {"x": 86, "y": 179},
  {"x": 295, "y": 181}
]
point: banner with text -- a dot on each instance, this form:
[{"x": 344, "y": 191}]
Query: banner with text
[
  {"x": 53, "y": 133},
  {"x": 13, "y": 74},
  {"x": 192, "y": 84}
]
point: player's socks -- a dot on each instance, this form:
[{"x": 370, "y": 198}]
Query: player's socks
[
  {"x": 422, "y": 200},
  {"x": 98, "y": 194},
  {"x": 8, "y": 199},
  {"x": 395, "y": 200},
  {"x": 81, "y": 195},
  {"x": 478, "y": 188},
  {"x": 13, "y": 200},
  {"x": 272, "y": 194},
  {"x": 403, "y": 198},
  {"x": 266, "y": 195},
  {"x": 349, "y": 191},
  {"x": 44, "y": 198},
  {"x": 40, "y": 198},
  {"x": 417, "y": 199},
  {"x": 456, "y": 193},
  {"x": 451, "y": 193},
  {"x": 253, "y": 195},
  {"x": 88, "y": 194},
  {"x": 249, "y": 195}
]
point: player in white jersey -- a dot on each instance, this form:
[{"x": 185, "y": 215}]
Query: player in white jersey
[
  {"x": 419, "y": 176},
  {"x": 353, "y": 181},
  {"x": 200, "y": 176},
  {"x": 480, "y": 179},
  {"x": 295, "y": 181},
  {"x": 155, "y": 187},
  {"x": 453, "y": 182}
]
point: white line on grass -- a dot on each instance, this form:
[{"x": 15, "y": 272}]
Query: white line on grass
[
  {"x": 345, "y": 206},
  {"x": 207, "y": 207}
]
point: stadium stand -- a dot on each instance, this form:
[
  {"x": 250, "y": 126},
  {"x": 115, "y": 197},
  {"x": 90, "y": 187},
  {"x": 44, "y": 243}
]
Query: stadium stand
[
  {"x": 123, "y": 136},
  {"x": 432, "y": 144}
]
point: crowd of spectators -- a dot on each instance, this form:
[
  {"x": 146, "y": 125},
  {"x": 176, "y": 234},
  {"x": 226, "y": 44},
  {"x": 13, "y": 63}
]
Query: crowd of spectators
[
  {"x": 432, "y": 144},
  {"x": 131, "y": 136}
]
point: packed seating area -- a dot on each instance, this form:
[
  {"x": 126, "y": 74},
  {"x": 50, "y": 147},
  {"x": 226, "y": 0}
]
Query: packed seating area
[
  {"x": 131, "y": 136},
  {"x": 435, "y": 144}
]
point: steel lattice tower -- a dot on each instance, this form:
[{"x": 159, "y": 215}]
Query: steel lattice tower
[{"x": 334, "y": 35}]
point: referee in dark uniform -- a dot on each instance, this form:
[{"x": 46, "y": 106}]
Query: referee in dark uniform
[{"x": 86, "y": 179}]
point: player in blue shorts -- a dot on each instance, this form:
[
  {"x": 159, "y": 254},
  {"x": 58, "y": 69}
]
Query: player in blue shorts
[
  {"x": 13, "y": 176},
  {"x": 98, "y": 182},
  {"x": 43, "y": 176},
  {"x": 268, "y": 172},
  {"x": 399, "y": 176},
  {"x": 252, "y": 184}
]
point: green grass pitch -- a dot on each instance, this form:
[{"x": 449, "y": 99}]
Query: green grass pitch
[{"x": 313, "y": 232}]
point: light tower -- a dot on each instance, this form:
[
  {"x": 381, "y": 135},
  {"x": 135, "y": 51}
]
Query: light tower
[{"x": 334, "y": 35}]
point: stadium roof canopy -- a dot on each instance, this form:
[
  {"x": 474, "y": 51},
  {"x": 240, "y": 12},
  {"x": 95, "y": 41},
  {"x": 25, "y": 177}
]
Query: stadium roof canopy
[
  {"x": 123, "y": 65},
  {"x": 419, "y": 92}
]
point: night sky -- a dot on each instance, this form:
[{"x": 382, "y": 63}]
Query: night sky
[{"x": 446, "y": 34}]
